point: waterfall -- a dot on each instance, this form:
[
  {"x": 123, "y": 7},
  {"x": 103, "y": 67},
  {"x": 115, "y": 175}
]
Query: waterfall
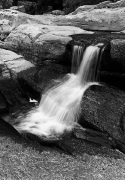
[{"x": 59, "y": 107}]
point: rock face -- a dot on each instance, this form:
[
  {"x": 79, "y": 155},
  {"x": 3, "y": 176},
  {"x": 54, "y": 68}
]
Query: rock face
[
  {"x": 14, "y": 63},
  {"x": 41, "y": 42},
  {"x": 104, "y": 17},
  {"x": 16, "y": 18},
  {"x": 10, "y": 65},
  {"x": 112, "y": 65},
  {"x": 104, "y": 107},
  {"x": 113, "y": 51},
  {"x": 97, "y": 19},
  {"x": 35, "y": 81}
]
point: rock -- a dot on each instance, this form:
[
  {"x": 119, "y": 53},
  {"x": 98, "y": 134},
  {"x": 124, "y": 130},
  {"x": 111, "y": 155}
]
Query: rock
[
  {"x": 83, "y": 8},
  {"x": 104, "y": 108},
  {"x": 112, "y": 64},
  {"x": 7, "y": 130},
  {"x": 4, "y": 71},
  {"x": 118, "y": 4},
  {"x": 5, "y": 26},
  {"x": 5, "y": 29},
  {"x": 113, "y": 55},
  {"x": 57, "y": 12},
  {"x": 96, "y": 19},
  {"x": 18, "y": 8},
  {"x": 102, "y": 5},
  {"x": 118, "y": 55},
  {"x": 105, "y": 4},
  {"x": 113, "y": 79},
  {"x": 16, "y": 18},
  {"x": 36, "y": 80},
  {"x": 11, "y": 64},
  {"x": 41, "y": 42}
]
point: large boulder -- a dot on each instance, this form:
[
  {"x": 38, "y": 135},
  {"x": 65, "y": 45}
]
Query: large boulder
[
  {"x": 104, "y": 108},
  {"x": 11, "y": 64},
  {"x": 41, "y": 42},
  {"x": 14, "y": 63},
  {"x": 96, "y": 19},
  {"x": 16, "y": 18}
]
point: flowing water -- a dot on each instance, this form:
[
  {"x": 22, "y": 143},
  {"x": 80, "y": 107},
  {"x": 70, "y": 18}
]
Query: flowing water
[{"x": 59, "y": 108}]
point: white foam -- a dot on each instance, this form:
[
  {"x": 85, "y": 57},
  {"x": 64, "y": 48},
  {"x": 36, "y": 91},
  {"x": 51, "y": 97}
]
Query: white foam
[{"x": 60, "y": 106}]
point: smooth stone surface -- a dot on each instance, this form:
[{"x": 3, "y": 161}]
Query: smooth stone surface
[
  {"x": 105, "y": 19},
  {"x": 41, "y": 42},
  {"x": 13, "y": 63}
]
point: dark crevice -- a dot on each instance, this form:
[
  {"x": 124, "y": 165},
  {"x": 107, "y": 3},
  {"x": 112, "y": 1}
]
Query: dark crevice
[{"x": 29, "y": 90}]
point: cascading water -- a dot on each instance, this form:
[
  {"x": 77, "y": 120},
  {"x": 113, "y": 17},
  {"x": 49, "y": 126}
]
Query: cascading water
[{"x": 60, "y": 106}]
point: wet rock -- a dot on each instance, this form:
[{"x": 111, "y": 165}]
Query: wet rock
[
  {"x": 40, "y": 42},
  {"x": 113, "y": 54},
  {"x": 112, "y": 78},
  {"x": 11, "y": 94},
  {"x": 104, "y": 108},
  {"x": 112, "y": 65},
  {"x": 118, "y": 55},
  {"x": 37, "y": 80},
  {"x": 7, "y": 130},
  {"x": 3, "y": 105}
]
